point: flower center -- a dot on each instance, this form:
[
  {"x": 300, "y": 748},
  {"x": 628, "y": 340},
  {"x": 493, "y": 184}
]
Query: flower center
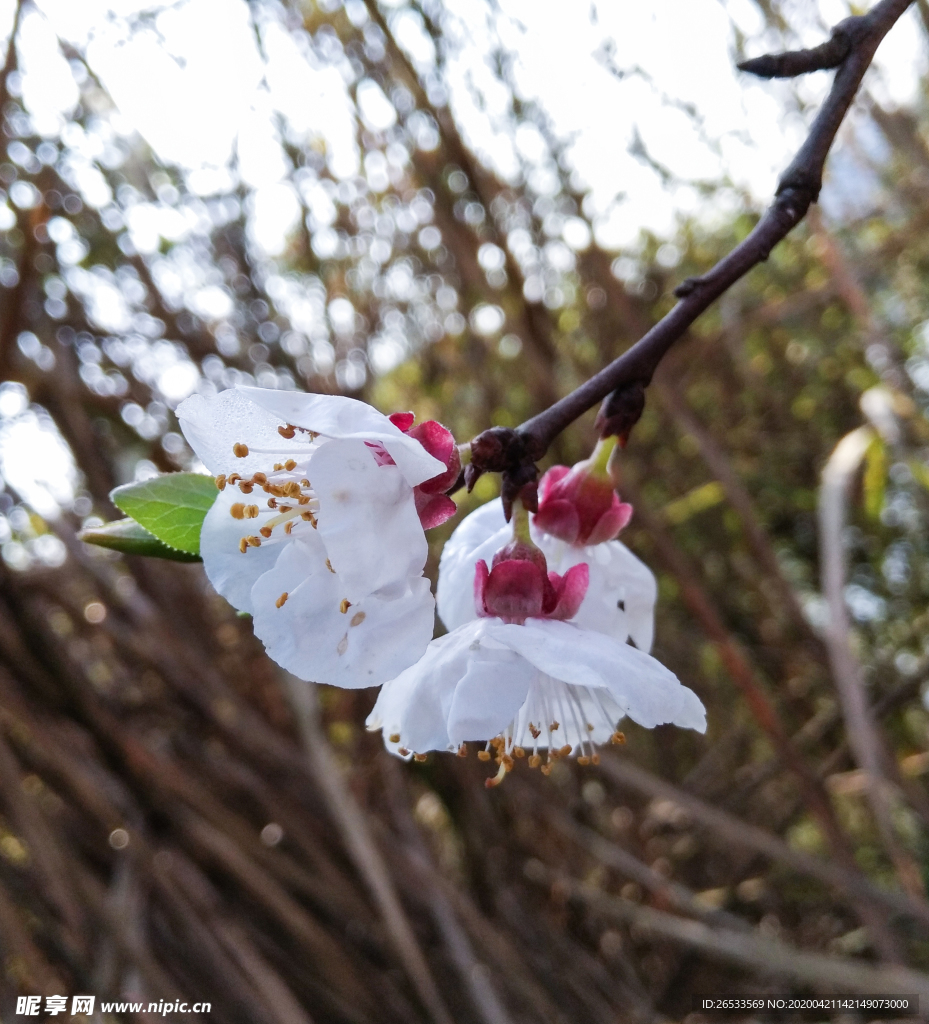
[{"x": 289, "y": 491}]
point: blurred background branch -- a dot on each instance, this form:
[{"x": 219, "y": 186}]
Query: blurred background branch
[{"x": 396, "y": 215}]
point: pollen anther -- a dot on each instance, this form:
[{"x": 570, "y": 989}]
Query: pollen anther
[
  {"x": 281, "y": 601},
  {"x": 237, "y": 511},
  {"x": 221, "y": 482},
  {"x": 240, "y": 451},
  {"x": 344, "y": 605}
]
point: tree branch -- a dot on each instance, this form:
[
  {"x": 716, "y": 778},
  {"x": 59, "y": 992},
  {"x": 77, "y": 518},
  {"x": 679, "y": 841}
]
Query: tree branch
[
  {"x": 863, "y": 736},
  {"x": 514, "y": 452}
]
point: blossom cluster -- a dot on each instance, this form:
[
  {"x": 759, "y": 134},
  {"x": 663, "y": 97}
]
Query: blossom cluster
[{"x": 318, "y": 532}]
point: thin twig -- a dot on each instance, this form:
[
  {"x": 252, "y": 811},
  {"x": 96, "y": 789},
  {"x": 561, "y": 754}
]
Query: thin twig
[
  {"x": 763, "y": 955},
  {"x": 861, "y": 728},
  {"x": 361, "y": 847},
  {"x": 514, "y": 452},
  {"x": 730, "y": 831}
]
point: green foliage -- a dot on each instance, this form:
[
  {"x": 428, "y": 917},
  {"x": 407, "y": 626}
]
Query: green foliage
[
  {"x": 129, "y": 538},
  {"x": 172, "y": 507},
  {"x": 875, "y": 478}
]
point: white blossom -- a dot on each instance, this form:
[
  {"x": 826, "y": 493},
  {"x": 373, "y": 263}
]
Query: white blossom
[{"x": 315, "y": 531}]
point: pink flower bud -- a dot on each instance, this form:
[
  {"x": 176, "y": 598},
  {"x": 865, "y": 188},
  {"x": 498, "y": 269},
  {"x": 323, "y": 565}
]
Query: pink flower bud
[{"x": 579, "y": 505}]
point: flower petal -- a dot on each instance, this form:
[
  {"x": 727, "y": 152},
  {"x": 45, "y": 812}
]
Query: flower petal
[
  {"x": 620, "y": 599},
  {"x": 489, "y": 694},
  {"x": 478, "y": 537},
  {"x": 415, "y": 705},
  {"x": 641, "y": 686},
  {"x": 348, "y": 419},
  {"x": 232, "y": 572},
  {"x": 367, "y": 518},
  {"x": 213, "y": 425},
  {"x": 434, "y": 509},
  {"x": 310, "y": 635}
]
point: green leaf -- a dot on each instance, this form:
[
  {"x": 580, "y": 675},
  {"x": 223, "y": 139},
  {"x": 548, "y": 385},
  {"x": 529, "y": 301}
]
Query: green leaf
[
  {"x": 172, "y": 507},
  {"x": 127, "y": 536},
  {"x": 875, "y": 477}
]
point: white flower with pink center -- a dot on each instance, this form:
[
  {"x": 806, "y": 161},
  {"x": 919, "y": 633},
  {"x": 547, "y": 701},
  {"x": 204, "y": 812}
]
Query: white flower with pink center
[
  {"x": 520, "y": 679},
  {"x": 316, "y": 530}
]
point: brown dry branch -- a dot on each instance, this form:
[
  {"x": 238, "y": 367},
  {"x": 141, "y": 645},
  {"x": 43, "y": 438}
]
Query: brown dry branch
[
  {"x": 863, "y": 736},
  {"x": 514, "y": 452}
]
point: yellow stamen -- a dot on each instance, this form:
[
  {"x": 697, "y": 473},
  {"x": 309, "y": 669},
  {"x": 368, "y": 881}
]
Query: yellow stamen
[
  {"x": 483, "y": 755},
  {"x": 240, "y": 450},
  {"x": 251, "y": 512},
  {"x": 281, "y": 601},
  {"x": 221, "y": 482},
  {"x": 394, "y": 737},
  {"x": 288, "y": 527},
  {"x": 329, "y": 565},
  {"x": 419, "y": 757},
  {"x": 402, "y": 751},
  {"x": 344, "y": 605},
  {"x": 245, "y": 487},
  {"x": 519, "y": 752},
  {"x": 289, "y": 465},
  {"x": 585, "y": 760},
  {"x": 253, "y": 542},
  {"x": 265, "y": 532},
  {"x": 535, "y": 761},
  {"x": 498, "y": 778},
  {"x": 618, "y": 737},
  {"x": 259, "y": 478},
  {"x": 243, "y": 545},
  {"x": 287, "y": 431},
  {"x": 237, "y": 511}
]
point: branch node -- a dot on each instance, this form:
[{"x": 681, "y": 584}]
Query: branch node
[
  {"x": 506, "y": 451},
  {"x": 687, "y": 287},
  {"x": 621, "y": 410}
]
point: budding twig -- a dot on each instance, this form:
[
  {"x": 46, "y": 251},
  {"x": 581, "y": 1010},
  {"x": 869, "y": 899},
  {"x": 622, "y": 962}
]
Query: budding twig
[{"x": 514, "y": 452}]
